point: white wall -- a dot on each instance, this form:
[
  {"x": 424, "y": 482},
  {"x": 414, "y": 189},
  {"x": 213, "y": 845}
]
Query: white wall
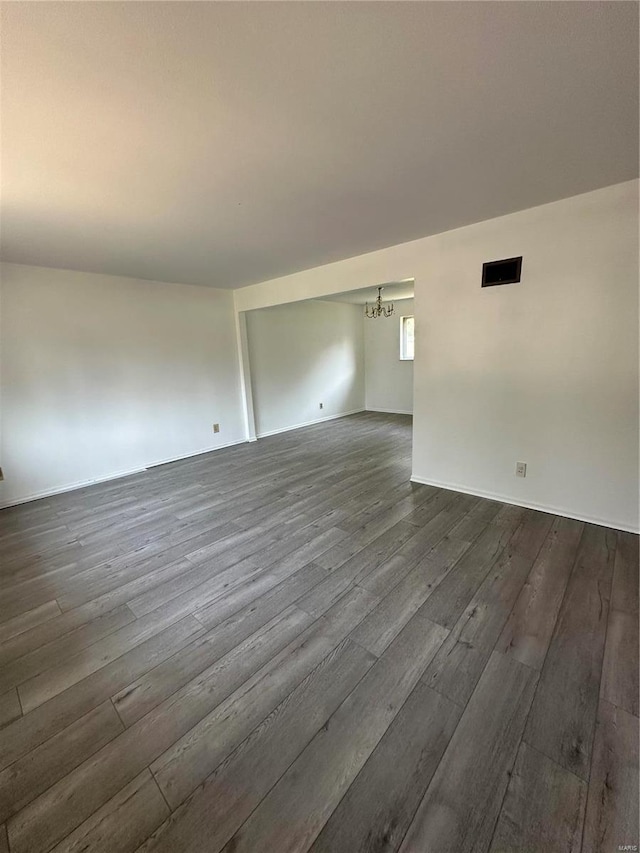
[
  {"x": 545, "y": 371},
  {"x": 103, "y": 375},
  {"x": 388, "y": 380},
  {"x": 302, "y": 355}
]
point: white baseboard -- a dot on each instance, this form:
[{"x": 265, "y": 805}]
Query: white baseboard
[
  {"x": 308, "y": 423},
  {"x": 117, "y": 475},
  {"x": 196, "y": 453},
  {"x": 553, "y": 510},
  {"x": 389, "y": 411}
]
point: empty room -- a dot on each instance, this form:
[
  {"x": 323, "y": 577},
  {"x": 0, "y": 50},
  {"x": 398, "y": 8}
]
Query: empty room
[{"x": 319, "y": 426}]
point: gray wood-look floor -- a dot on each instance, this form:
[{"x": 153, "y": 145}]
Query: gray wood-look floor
[{"x": 286, "y": 646}]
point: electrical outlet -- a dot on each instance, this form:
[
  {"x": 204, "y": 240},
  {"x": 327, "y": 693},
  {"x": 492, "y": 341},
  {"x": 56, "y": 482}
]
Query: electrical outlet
[
  {"x": 216, "y": 427},
  {"x": 322, "y": 405},
  {"x": 521, "y": 469},
  {"x": 1, "y": 475}
]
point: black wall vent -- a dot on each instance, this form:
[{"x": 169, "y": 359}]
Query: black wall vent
[{"x": 501, "y": 272}]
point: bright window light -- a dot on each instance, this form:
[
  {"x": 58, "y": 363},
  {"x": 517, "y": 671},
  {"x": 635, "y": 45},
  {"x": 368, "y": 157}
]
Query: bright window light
[{"x": 406, "y": 338}]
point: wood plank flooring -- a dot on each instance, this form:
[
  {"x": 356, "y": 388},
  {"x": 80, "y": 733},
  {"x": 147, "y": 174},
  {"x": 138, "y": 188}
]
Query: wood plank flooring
[{"x": 287, "y": 646}]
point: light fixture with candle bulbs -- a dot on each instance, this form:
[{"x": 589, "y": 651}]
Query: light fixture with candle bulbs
[{"x": 378, "y": 309}]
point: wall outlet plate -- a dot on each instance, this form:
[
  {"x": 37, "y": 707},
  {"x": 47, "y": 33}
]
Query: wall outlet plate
[
  {"x": 322, "y": 405},
  {"x": 521, "y": 469},
  {"x": 216, "y": 427},
  {"x": 1, "y": 475}
]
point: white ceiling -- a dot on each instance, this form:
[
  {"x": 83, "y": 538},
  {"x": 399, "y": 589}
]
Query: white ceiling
[
  {"x": 229, "y": 143},
  {"x": 393, "y": 290}
]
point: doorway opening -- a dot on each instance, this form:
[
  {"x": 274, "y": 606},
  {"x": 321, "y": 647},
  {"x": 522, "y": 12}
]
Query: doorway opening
[{"x": 320, "y": 359}]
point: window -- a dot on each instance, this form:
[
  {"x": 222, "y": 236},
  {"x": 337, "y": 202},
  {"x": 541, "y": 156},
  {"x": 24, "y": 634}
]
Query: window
[{"x": 406, "y": 338}]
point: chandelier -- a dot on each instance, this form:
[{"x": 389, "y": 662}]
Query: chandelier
[{"x": 378, "y": 309}]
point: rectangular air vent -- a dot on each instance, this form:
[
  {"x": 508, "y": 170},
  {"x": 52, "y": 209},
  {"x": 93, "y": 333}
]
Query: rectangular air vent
[{"x": 501, "y": 272}]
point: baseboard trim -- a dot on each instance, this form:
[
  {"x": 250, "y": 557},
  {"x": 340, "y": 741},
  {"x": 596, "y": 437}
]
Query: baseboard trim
[
  {"x": 389, "y": 411},
  {"x": 196, "y": 453},
  {"x": 308, "y": 423},
  {"x": 553, "y": 510},
  {"x": 118, "y": 475}
]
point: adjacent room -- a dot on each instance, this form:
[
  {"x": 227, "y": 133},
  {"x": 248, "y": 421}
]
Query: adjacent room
[
  {"x": 319, "y": 427},
  {"x": 326, "y": 358}
]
